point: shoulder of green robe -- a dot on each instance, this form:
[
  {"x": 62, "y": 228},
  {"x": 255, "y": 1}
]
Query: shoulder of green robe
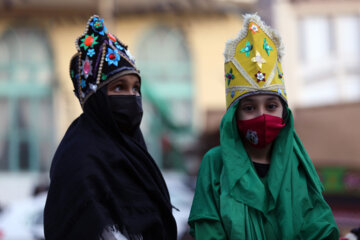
[{"x": 212, "y": 159}]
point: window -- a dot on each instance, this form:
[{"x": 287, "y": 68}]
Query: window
[
  {"x": 165, "y": 65},
  {"x": 330, "y": 52},
  {"x": 26, "y": 124}
]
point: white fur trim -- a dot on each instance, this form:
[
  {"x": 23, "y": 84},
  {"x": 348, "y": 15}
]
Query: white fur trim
[{"x": 231, "y": 44}]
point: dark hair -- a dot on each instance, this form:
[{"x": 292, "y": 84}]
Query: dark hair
[{"x": 285, "y": 109}]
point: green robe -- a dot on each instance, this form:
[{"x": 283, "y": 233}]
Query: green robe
[{"x": 232, "y": 202}]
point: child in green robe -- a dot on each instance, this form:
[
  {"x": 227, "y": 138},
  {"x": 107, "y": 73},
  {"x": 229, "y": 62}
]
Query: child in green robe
[{"x": 259, "y": 183}]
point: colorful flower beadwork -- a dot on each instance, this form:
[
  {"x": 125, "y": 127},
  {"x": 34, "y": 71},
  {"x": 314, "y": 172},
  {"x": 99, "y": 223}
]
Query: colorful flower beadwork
[
  {"x": 230, "y": 76},
  {"x": 267, "y": 47},
  {"x": 86, "y": 68},
  {"x": 98, "y": 25},
  {"x": 112, "y": 57},
  {"x": 89, "y": 41},
  {"x": 254, "y": 28},
  {"x": 91, "y": 52},
  {"x": 248, "y": 47},
  {"x": 100, "y": 56},
  {"x": 260, "y": 76}
]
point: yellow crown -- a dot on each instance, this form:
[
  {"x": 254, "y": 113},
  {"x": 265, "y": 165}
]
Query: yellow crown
[{"x": 252, "y": 62}]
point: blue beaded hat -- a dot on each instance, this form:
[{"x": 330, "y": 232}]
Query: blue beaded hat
[{"x": 100, "y": 58}]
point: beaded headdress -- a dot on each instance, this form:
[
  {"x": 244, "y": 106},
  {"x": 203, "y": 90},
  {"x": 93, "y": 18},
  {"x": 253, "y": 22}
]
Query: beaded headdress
[
  {"x": 252, "y": 62},
  {"x": 100, "y": 55}
]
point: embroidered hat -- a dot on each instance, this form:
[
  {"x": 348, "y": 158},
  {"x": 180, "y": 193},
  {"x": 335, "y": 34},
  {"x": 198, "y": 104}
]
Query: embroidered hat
[
  {"x": 252, "y": 62},
  {"x": 100, "y": 56}
]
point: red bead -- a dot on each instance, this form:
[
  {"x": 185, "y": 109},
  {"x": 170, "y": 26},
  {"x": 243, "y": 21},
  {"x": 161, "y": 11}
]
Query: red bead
[
  {"x": 112, "y": 56},
  {"x": 89, "y": 41},
  {"x": 112, "y": 38}
]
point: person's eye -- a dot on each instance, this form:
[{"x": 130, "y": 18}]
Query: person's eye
[
  {"x": 248, "y": 108},
  {"x": 272, "y": 106},
  {"x": 118, "y": 88},
  {"x": 136, "y": 89}
]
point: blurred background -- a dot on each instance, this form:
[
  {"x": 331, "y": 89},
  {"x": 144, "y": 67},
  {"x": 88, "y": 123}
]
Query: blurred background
[{"x": 178, "y": 45}]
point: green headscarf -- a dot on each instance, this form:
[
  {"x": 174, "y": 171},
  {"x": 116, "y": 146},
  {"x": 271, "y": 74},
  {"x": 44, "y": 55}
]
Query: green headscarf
[{"x": 286, "y": 204}]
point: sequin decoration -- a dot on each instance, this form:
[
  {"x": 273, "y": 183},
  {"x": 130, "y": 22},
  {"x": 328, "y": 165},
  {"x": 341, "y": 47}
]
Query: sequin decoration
[
  {"x": 279, "y": 91},
  {"x": 232, "y": 93},
  {"x": 229, "y": 76},
  {"x": 86, "y": 67},
  {"x": 98, "y": 26},
  {"x": 111, "y": 37},
  {"x": 91, "y": 52},
  {"x": 89, "y": 41},
  {"x": 93, "y": 87},
  {"x": 281, "y": 75},
  {"x": 260, "y": 76},
  {"x": 112, "y": 57},
  {"x": 267, "y": 47},
  {"x": 258, "y": 59},
  {"x": 254, "y": 28},
  {"x": 118, "y": 46},
  {"x": 103, "y": 76},
  {"x": 82, "y": 83},
  {"x": 129, "y": 55},
  {"x": 248, "y": 47}
]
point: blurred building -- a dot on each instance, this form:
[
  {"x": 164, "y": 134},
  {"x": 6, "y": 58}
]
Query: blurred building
[
  {"x": 323, "y": 75},
  {"x": 178, "y": 46}
]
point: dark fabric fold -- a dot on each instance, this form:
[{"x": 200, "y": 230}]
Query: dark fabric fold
[{"x": 101, "y": 176}]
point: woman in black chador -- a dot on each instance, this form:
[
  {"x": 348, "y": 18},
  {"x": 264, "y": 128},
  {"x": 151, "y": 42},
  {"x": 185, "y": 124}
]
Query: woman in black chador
[{"x": 104, "y": 183}]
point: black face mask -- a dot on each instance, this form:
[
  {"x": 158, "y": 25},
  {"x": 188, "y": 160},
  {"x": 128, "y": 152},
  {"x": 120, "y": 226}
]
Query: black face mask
[{"x": 127, "y": 111}]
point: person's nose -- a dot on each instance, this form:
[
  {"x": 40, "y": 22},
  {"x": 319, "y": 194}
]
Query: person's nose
[{"x": 261, "y": 111}]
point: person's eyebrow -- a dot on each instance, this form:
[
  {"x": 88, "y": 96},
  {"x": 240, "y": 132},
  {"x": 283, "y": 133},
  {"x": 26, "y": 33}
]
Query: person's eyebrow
[
  {"x": 273, "y": 99},
  {"x": 115, "y": 82},
  {"x": 247, "y": 100}
]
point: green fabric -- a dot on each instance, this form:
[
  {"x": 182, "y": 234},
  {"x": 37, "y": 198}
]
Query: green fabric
[
  {"x": 230, "y": 197},
  {"x": 209, "y": 230}
]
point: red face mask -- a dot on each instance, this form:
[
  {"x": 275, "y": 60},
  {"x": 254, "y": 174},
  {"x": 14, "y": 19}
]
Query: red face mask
[{"x": 260, "y": 131}]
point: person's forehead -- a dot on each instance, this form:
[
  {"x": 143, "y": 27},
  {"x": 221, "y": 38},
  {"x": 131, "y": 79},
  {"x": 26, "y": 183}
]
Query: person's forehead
[
  {"x": 126, "y": 78},
  {"x": 260, "y": 97}
]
